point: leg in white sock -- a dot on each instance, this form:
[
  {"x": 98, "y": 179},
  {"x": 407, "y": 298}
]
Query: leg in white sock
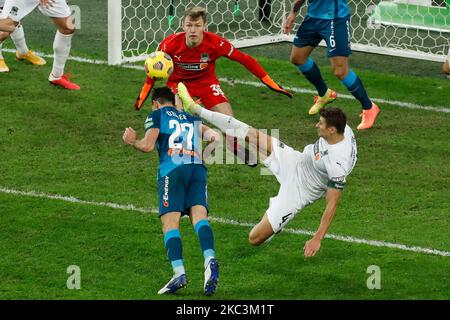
[
  {"x": 61, "y": 47},
  {"x": 18, "y": 36},
  {"x": 224, "y": 122}
]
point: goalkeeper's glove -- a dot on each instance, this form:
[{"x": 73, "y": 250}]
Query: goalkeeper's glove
[
  {"x": 267, "y": 80},
  {"x": 145, "y": 91}
]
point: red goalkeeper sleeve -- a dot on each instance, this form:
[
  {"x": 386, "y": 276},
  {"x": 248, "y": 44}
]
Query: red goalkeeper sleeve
[
  {"x": 145, "y": 91},
  {"x": 254, "y": 67}
]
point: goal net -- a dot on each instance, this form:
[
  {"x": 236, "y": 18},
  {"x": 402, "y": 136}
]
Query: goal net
[{"x": 408, "y": 28}]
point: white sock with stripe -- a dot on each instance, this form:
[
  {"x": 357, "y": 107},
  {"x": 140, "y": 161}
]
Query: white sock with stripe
[
  {"x": 61, "y": 47},
  {"x": 18, "y": 37}
]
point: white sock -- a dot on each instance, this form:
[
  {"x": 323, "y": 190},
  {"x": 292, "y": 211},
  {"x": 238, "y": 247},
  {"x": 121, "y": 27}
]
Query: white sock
[
  {"x": 1, "y": 45},
  {"x": 61, "y": 48},
  {"x": 226, "y": 124},
  {"x": 18, "y": 36}
]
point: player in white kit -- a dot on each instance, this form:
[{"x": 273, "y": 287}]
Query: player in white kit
[
  {"x": 321, "y": 169},
  {"x": 59, "y": 11},
  {"x": 22, "y": 53}
]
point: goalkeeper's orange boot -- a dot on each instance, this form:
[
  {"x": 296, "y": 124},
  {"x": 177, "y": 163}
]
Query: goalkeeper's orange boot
[
  {"x": 368, "y": 117},
  {"x": 320, "y": 102},
  {"x": 30, "y": 56},
  {"x": 3, "y": 66},
  {"x": 63, "y": 82}
]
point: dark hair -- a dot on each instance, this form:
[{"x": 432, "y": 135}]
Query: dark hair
[
  {"x": 163, "y": 95},
  {"x": 334, "y": 117},
  {"x": 195, "y": 13}
]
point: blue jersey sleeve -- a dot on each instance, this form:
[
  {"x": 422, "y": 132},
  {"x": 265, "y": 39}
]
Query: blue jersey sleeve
[{"x": 153, "y": 120}]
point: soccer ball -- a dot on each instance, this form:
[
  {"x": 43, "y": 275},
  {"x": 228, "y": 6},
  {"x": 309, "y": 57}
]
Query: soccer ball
[{"x": 158, "y": 65}]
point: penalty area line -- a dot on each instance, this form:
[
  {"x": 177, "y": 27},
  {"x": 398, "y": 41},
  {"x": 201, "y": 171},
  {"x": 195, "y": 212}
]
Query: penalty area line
[
  {"x": 229, "y": 81},
  {"x": 130, "y": 207}
]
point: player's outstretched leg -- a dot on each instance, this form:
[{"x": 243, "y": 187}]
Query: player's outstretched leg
[
  {"x": 23, "y": 53},
  {"x": 206, "y": 237},
  {"x": 61, "y": 47},
  {"x": 356, "y": 88},
  {"x": 172, "y": 242},
  {"x": 312, "y": 73},
  {"x": 236, "y": 128}
]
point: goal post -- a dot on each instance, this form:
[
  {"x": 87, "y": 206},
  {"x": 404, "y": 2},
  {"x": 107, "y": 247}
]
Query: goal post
[{"x": 409, "y": 28}]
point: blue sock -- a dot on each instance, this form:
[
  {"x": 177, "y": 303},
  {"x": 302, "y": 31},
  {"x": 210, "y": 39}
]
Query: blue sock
[
  {"x": 312, "y": 73},
  {"x": 356, "y": 88},
  {"x": 174, "y": 248},
  {"x": 206, "y": 237}
]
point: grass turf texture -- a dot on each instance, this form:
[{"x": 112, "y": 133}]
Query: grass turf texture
[{"x": 69, "y": 143}]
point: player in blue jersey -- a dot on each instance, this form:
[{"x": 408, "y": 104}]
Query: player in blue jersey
[
  {"x": 182, "y": 186},
  {"x": 328, "y": 20}
]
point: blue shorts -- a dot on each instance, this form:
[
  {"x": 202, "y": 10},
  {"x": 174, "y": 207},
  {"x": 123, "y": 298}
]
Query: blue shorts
[
  {"x": 336, "y": 34},
  {"x": 183, "y": 188}
]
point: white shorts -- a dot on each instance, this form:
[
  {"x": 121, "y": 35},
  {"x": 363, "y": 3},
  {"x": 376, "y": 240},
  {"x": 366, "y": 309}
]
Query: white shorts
[
  {"x": 283, "y": 163},
  {"x": 18, "y": 9}
]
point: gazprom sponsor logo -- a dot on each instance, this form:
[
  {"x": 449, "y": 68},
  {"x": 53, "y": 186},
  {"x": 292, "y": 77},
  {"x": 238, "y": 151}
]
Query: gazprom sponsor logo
[
  {"x": 166, "y": 192},
  {"x": 193, "y": 66}
]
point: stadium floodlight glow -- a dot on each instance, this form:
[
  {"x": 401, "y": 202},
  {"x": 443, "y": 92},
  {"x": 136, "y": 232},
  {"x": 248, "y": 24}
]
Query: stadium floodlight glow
[{"x": 417, "y": 29}]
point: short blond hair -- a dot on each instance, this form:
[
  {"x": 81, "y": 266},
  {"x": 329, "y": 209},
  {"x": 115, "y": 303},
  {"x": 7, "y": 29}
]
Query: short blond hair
[{"x": 195, "y": 13}]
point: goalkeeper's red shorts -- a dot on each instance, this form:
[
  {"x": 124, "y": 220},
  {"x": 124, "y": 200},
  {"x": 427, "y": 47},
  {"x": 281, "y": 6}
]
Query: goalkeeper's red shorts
[{"x": 209, "y": 93}]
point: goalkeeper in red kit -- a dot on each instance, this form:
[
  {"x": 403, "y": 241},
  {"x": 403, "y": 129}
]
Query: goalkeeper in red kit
[{"x": 194, "y": 52}]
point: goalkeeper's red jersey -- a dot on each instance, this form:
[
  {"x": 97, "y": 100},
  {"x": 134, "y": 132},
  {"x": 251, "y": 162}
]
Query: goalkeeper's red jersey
[{"x": 198, "y": 64}]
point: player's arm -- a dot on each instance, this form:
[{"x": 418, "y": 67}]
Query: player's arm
[
  {"x": 145, "y": 92},
  {"x": 254, "y": 67},
  {"x": 313, "y": 245},
  {"x": 146, "y": 144},
  {"x": 290, "y": 19}
]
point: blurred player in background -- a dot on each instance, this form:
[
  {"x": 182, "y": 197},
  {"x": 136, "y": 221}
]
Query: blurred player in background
[
  {"x": 22, "y": 53},
  {"x": 329, "y": 21},
  {"x": 446, "y": 64},
  {"x": 304, "y": 177},
  {"x": 194, "y": 52},
  {"x": 59, "y": 11},
  {"x": 181, "y": 182}
]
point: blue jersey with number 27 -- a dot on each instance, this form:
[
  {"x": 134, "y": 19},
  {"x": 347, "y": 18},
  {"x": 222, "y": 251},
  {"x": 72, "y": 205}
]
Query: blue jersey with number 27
[
  {"x": 179, "y": 141},
  {"x": 328, "y": 9}
]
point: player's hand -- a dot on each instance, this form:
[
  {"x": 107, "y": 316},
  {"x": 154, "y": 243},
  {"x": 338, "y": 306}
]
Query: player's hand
[
  {"x": 47, "y": 3},
  {"x": 138, "y": 104},
  {"x": 268, "y": 81},
  {"x": 311, "y": 247},
  {"x": 289, "y": 23},
  {"x": 129, "y": 136}
]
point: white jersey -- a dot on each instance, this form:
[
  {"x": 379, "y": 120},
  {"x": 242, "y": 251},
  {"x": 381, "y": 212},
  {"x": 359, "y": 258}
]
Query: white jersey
[
  {"x": 305, "y": 176},
  {"x": 326, "y": 165},
  {"x": 18, "y": 9}
]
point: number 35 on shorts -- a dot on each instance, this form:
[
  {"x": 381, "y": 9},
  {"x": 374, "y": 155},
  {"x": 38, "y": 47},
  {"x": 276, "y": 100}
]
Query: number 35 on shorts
[{"x": 217, "y": 91}]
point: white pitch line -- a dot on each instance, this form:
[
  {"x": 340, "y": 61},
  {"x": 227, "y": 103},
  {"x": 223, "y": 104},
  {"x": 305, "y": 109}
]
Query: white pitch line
[
  {"x": 130, "y": 207},
  {"x": 401, "y": 104}
]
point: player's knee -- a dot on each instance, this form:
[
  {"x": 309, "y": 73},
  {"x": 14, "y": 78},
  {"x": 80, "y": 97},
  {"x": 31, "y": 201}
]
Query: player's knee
[
  {"x": 340, "y": 72},
  {"x": 9, "y": 24},
  {"x": 297, "y": 61},
  {"x": 65, "y": 26},
  {"x": 67, "y": 30}
]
